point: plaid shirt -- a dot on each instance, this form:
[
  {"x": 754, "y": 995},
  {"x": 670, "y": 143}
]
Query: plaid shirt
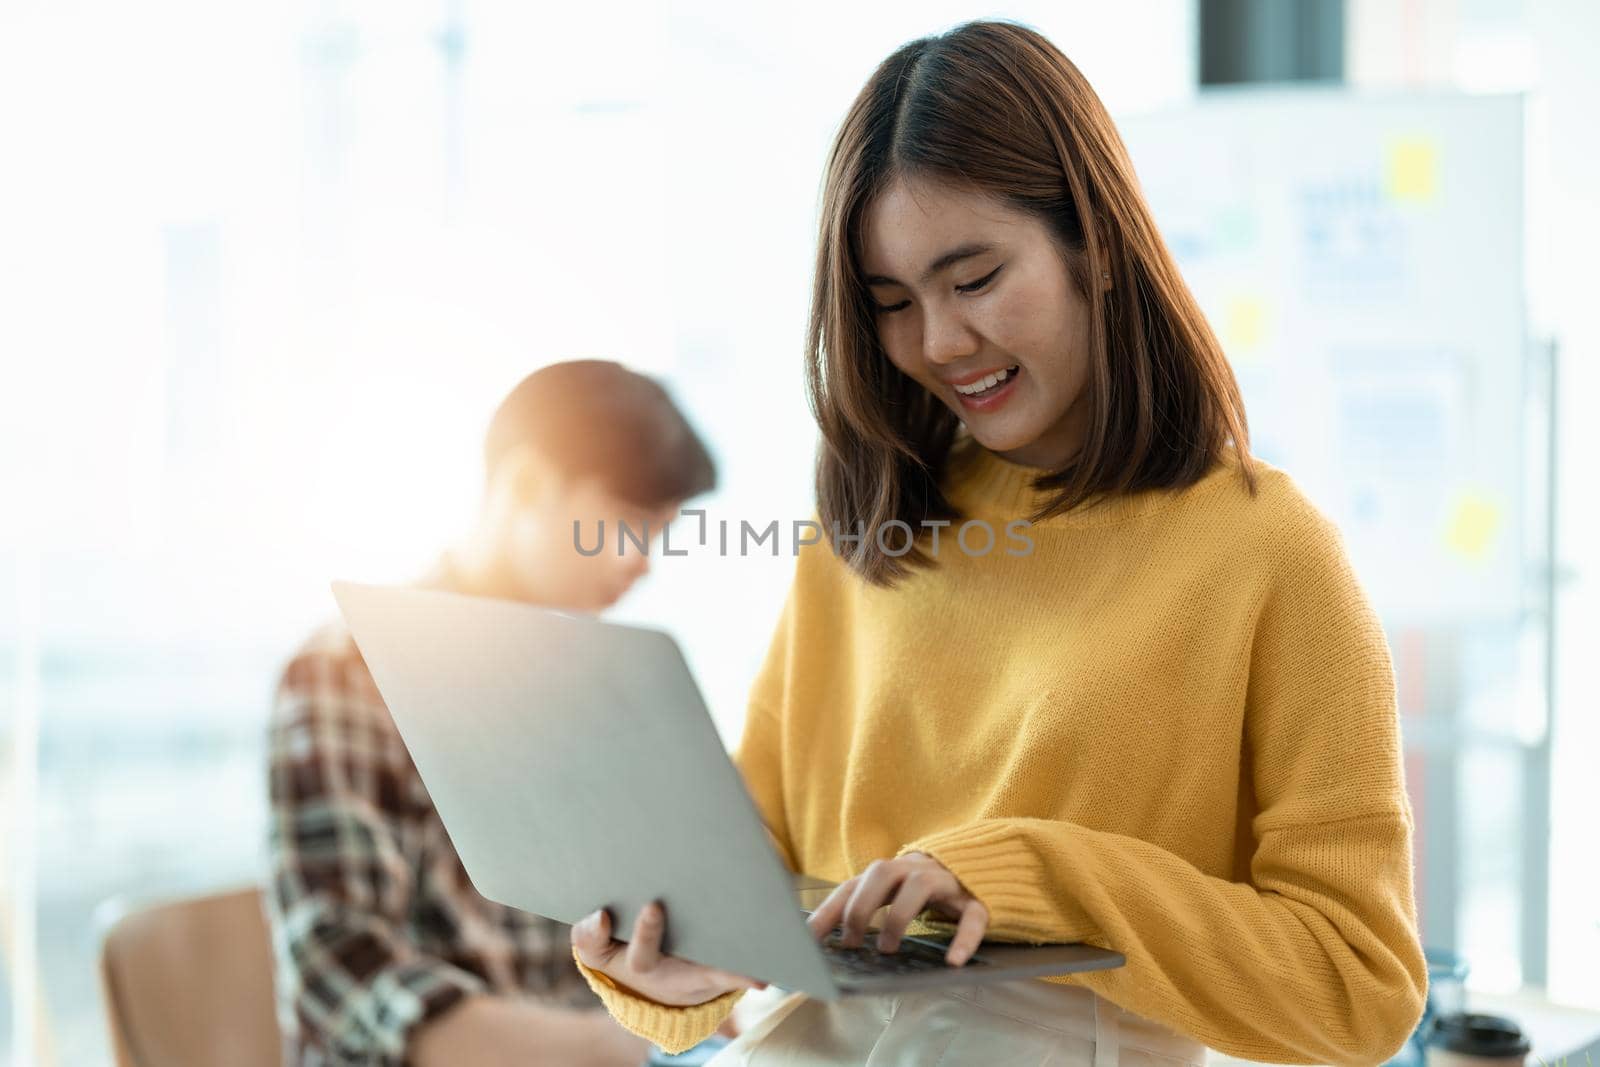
[{"x": 375, "y": 925}]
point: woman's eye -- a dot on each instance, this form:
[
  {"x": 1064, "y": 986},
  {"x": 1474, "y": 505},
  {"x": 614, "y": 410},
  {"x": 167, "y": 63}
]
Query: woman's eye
[{"x": 972, "y": 287}]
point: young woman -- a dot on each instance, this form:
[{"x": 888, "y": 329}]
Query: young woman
[{"x": 1159, "y": 719}]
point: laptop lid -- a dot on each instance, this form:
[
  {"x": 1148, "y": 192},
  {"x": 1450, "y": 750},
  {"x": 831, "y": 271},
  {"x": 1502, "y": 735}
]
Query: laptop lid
[{"x": 575, "y": 766}]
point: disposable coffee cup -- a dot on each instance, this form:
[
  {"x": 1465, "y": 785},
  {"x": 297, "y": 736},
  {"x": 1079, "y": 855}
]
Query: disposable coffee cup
[{"x": 1468, "y": 1040}]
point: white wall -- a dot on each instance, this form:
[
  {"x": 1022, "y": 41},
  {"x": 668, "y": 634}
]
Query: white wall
[
  {"x": 1546, "y": 48},
  {"x": 1566, "y": 237}
]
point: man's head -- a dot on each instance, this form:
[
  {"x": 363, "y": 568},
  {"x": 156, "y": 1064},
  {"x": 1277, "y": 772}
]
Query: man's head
[{"x": 582, "y": 441}]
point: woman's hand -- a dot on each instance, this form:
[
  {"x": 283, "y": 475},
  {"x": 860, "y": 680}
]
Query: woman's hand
[
  {"x": 910, "y": 885},
  {"x": 640, "y": 967}
]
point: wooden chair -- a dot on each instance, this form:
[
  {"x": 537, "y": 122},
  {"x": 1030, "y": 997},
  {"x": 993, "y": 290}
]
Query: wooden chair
[{"x": 189, "y": 984}]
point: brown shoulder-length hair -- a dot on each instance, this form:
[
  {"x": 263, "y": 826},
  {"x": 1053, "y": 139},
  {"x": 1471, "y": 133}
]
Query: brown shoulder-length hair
[{"x": 995, "y": 107}]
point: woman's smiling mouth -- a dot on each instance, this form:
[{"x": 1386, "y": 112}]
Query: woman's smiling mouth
[{"x": 986, "y": 391}]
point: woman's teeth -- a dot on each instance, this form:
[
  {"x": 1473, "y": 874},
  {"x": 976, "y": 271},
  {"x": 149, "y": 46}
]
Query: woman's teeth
[{"x": 984, "y": 384}]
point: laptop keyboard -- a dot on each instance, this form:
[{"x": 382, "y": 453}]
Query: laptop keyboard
[{"x": 913, "y": 957}]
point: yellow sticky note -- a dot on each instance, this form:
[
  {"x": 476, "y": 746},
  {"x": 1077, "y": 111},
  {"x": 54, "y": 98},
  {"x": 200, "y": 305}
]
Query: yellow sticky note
[
  {"x": 1246, "y": 324},
  {"x": 1473, "y": 525},
  {"x": 1413, "y": 169}
]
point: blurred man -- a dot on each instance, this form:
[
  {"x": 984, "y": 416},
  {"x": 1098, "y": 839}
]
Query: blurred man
[{"x": 386, "y": 954}]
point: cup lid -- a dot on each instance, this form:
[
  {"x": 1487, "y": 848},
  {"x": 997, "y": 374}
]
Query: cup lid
[{"x": 1479, "y": 1035}]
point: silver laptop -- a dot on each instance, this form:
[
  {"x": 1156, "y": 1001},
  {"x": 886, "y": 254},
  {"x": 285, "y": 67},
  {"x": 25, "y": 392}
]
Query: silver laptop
[{"x": 575, "y": 766}]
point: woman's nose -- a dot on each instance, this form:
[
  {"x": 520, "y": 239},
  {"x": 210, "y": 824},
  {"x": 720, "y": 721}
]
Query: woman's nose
[{"x": 946, "y": 338}]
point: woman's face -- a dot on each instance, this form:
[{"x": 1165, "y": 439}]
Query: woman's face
[{"x": 969, "y": 289}]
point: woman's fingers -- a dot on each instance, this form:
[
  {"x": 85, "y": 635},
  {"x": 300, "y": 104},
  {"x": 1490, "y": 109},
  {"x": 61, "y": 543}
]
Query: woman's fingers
[
  {"x": 969, "y": 933},
  {"x": 872, "y": 892},
  {"x": 592, "y": 938},
  {"x": 825, "y": 916},
  {"x": 644, "y": 951},
  {"x": 908, "y": 884},
  {"x": 642, "y": 967},
  {"x": 908, "y": 904}
]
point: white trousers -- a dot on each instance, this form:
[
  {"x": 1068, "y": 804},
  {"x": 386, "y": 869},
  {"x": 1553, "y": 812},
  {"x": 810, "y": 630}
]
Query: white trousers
[{"x": 1028, "y": 1023}]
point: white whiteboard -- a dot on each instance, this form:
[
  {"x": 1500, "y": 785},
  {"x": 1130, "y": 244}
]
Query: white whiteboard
[{"x": 1361, "y": 258}]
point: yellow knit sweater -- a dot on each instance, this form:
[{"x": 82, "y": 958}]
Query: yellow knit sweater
[{"x": 1170, "y": 730}]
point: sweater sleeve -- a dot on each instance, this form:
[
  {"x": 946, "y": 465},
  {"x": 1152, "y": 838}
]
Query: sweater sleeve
[
  {"x": 675, "y": 1029},
  {"x": 1317, "y": 958},
  {"x": 671, "y": 1029}
]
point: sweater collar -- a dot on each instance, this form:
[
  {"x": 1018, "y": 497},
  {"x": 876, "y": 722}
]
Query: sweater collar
[{"x": 982, "y": 483}]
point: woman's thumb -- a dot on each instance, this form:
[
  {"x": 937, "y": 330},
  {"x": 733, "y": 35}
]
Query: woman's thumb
[{"x": 591, "y": 935}]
